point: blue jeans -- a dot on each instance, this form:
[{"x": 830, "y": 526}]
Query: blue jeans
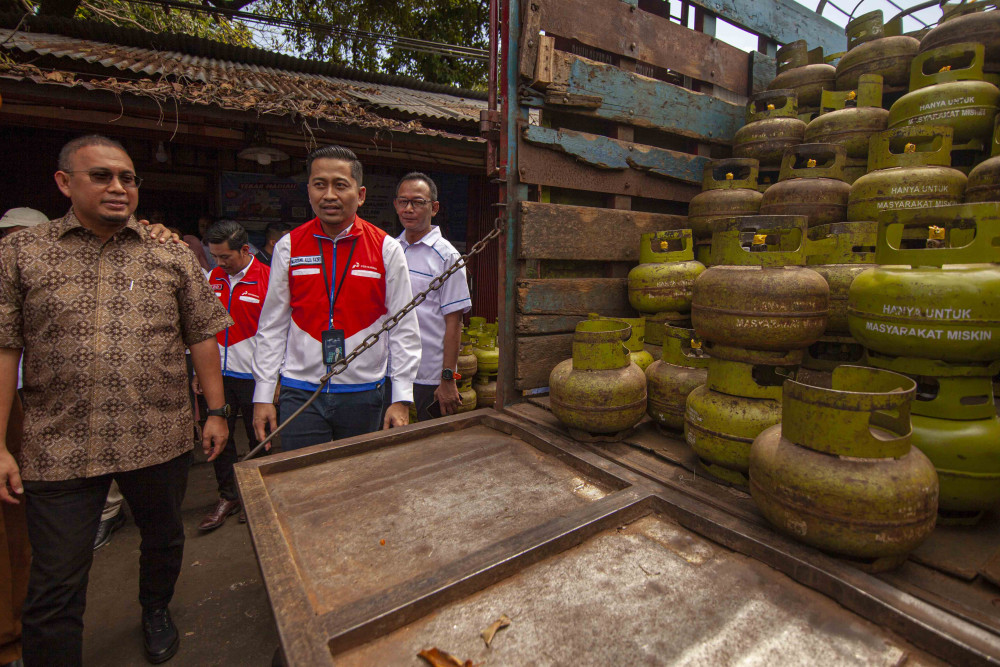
[{"x": 330, "y": 417}]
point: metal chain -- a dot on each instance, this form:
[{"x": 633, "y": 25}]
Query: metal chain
[{"x": 370, "y": 340}]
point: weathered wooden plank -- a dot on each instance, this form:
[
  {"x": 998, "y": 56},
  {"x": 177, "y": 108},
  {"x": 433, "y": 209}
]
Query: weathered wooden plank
[
  {"x": 547, "y": 324},
  {"x": 568, "y": 296},
  {"x": 644, "y": 102},
  {"x": 541, "y": 166},
  {"x": 761, "y": 71},
  {"x": 530, "y": 25},
  {"x": 555, "y": 231},
  {"x": 782, "y": 20},
  {"x": 617, "y": 27},
  {"x": 537, "y": 356},
  {"x": 604, "y": 153}
]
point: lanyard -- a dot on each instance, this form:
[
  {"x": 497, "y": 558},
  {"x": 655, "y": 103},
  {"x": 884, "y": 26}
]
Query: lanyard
[{"x": 343, "y": 276}]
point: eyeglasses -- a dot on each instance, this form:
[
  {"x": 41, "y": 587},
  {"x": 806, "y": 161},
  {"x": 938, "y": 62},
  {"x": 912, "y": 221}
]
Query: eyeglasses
[
  {"x": 403, "y": 202},
  {"x": 104, "y": 177}
]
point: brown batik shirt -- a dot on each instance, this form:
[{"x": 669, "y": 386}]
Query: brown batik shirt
[{"x": 104, "y": 327}]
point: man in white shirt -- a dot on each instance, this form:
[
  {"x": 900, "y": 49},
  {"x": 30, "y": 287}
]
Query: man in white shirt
[{"x": 428, "y": 255}]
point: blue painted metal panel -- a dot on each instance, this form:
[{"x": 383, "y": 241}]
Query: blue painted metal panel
[
  {"x": 637, "y": 100},
  {"x": 604, "y": 153}
]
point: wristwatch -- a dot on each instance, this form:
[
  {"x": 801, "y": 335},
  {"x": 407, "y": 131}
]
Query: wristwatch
[
  {"x": 225, "y": 411},
  {"x": 448, "y": 374}
]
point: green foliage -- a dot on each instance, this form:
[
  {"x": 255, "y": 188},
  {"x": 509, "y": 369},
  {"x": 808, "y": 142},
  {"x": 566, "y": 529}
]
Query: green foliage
[
  {"x": 156, "y": 19},
  {"x": 461, "y": 22}
]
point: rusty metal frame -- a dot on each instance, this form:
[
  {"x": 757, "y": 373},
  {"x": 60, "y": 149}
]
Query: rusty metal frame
[{"x": 635, "y": 491}]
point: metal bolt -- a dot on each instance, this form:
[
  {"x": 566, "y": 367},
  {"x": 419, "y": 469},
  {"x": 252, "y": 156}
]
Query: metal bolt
[
  {"x": 632, "y": 46},
  {"x": 631, "y": 112}
]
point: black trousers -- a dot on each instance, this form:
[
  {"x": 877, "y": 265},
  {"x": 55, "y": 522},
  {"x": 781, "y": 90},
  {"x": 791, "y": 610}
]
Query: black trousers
[
  {"x": 423, "y": 396},
  {"x": 239, "y": 396},
  {"x": 62, "y": 523}
]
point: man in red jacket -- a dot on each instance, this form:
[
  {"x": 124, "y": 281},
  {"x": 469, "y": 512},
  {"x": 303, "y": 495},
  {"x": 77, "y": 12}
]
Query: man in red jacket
[{"x": 240, "y": 281}]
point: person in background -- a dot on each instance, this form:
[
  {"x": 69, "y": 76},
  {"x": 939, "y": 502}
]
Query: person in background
[
  {"x": 334, "y": 281},
  {"x": 16, "y": 219},
  {"x": 272, "y": 233},
  {"x": 240, "y": 282},
  {"x": 197, "y": 245},
  {"x": 428, "y": 255},
  {"x": 103, "y": 314},
  {"x": 15, "y": 557}
]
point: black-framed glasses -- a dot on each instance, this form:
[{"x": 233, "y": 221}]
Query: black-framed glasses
[
  {"x": 105, "y": 176},
  {"x": 403, "y": 202}
]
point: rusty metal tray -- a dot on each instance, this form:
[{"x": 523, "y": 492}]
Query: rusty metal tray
[{"x": 377, "y": 547}]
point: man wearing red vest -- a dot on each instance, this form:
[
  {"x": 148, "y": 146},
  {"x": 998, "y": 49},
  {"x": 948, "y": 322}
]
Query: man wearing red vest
[
  {"x": 334, "y": 281},
  {"x": 240, "y": 281}
]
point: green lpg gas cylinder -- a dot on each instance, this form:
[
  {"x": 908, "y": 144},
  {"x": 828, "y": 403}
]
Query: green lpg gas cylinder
[
  {"x": 839, "y": 473},
  {"x": 772, "y": 127},
  {"x": 805, "y": 72},
  {"x": 760, "y": 297},
  {"x": 876, "y": 48},
  {"x": 670, "y": 380},
  {"x": 984, "y": 179},
  {"x": 467, "y": 362},
  {"x": 486, "y": 390},
  {"x": 968, "y": 22},
  {"x": 729, "y": 189},
  {"x": 666, "y": 272},
  {"x": 947, "y": 88},
  {"x": 467, "y": 394},
  {"x": 933, "y": 302},
  {"x": 840, "y": 252},
  {"x": 721, "y": 428},
  {"x": 955, "y": 424},
  {"x": 850, "y": 118},
  {"x": 636, "y": 342},
  {"x": 487, "y": 354},
  {"x": 811, "y": 184},
  {"x": 599, "y": 390},
  {"x": 908, "y": 167}
]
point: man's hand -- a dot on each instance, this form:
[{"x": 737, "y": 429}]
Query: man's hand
[
  {"x": 214, "y": 436},
  {"x": 265, "y": 420},
  {"x": 397, "y": 414},
  {"x": 195, "y": 385},
  {"x": 161, "y": 233},
  {"x": 10, "y": 477},
  {"x": 448, "y": 397}
]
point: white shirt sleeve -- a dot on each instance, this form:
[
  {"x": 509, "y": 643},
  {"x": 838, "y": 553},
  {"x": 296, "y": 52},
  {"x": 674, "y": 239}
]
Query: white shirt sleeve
[
  {"x": 272, "y": 329},
  {"x": 404, "y": 339},
  {"x": 455, "y": 291}
]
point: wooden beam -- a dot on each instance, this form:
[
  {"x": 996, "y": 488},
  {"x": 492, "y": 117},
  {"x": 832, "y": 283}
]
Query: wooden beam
[
  {"x": 530, "y": 25},
  {"x": 540, "y": 166},
  {"x": 612, "y": 154},
  {"x": 537, "y": 356},
  {"x": 784, "y": 21},
  {"x": 638, "y": 100},
  {"x": 557, "y": 231},
  {"x": 572, "y": 296},
  {"x": 548, "y": 324},
  {"x": 622, "y": 29},
  {"x": 761, "y": 71}
]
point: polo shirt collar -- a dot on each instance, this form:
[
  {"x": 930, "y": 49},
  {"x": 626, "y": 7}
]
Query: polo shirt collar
[
  {"x": 70, "y": 222},
  {"x": 430, "y": 238}
]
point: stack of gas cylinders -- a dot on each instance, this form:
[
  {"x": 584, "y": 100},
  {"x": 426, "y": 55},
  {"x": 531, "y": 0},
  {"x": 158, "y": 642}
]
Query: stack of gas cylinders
[
  {"x": 483, "y": 336},
  {"x": 853, "y": 233}
]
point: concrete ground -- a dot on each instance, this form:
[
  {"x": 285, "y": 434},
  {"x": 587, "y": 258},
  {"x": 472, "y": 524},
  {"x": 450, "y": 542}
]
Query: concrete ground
[{"x": 220, "y": 606}]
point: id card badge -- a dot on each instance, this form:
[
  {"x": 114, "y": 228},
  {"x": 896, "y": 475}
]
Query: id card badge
[{"x": 333, "y": 346}]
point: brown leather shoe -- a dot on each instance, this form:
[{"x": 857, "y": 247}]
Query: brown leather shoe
[{"x": 223, "y": 510}]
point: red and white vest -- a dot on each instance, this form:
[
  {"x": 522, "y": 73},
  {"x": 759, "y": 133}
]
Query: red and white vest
[
  {"x": 366, "y": 270},
  {"x": 243, "y": 303}
]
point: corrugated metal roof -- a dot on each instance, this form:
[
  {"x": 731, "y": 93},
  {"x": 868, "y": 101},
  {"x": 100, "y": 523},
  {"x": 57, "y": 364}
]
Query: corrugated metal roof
[{"x": 184, "y": 68}]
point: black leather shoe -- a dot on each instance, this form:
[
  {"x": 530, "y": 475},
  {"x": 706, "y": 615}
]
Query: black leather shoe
[
  {"x": 106, "y": 527},
  {"x": 159, "y": 635}
]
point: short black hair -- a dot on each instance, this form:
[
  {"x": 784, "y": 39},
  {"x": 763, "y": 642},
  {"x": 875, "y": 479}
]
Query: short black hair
[
  {"x": 73, "y": 145},
  {"x": 274, "y": 230},
  {"x": 227, "y": 231},
  {"x": 420, "y": 176},
  {"x": 336, "y": 153}
]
